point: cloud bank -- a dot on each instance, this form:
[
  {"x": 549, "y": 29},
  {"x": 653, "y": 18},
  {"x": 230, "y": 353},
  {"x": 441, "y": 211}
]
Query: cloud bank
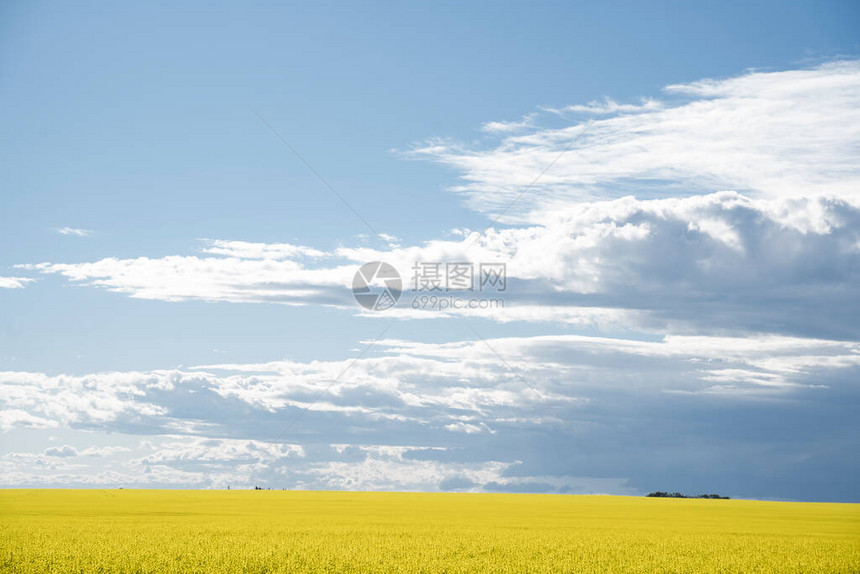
[
  {"x": 721, "y": 262},
  {"x": 593, "y": 415}
]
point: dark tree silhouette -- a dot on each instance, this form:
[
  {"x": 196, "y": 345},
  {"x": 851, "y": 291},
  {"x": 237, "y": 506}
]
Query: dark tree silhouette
[{"x": 663, "y": 494}]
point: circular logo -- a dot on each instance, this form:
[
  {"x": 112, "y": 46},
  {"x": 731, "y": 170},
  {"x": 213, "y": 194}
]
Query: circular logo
[{"x": 377, "y": 286}]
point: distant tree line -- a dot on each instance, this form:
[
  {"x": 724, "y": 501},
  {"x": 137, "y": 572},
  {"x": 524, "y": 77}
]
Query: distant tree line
[{"x": 661, "y": 494}]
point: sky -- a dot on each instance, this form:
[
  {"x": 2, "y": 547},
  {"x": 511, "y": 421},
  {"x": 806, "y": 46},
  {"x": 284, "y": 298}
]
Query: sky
[{"x": 656, "y": 208}]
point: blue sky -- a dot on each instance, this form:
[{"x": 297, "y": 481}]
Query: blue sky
[{"x": 685, "y": 270}]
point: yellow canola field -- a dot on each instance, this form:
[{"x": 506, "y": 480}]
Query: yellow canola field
[{"x": 296, "y": 531}]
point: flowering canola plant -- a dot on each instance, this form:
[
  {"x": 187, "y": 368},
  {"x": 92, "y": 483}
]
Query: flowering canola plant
[{"x": 304, "y": 531}]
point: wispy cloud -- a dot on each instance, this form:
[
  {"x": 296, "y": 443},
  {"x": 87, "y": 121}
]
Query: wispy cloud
[
  {"x": 14, "y": 282},
  {"x": 75, "y": 231},
  {"x": 248, "y": 250},
  {"x": 767, "y": 134},
  {"x": 607, "y": 107},
  {"x": 501, "y": 127}
]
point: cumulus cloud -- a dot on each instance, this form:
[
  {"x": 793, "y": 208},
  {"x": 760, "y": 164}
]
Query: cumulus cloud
[
  {"x": 767, "y": 134},
  {"x": 14, "y": 282},
  {"x": 68, "y": 451},
  {"x": 61, "y": 451},
  {"x": 11, "y": 418},
  {"x": 719, "y": 262},
  {"x": 422, "y": 416}
]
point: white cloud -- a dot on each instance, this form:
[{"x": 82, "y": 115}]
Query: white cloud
[
  {"x": 103, "y": 451},
  {"x": 390, "y": 239},
  {"x": 247, "y": 250},
  {"x": 607, "y": 106},
  {"x": 16, "y": 418},
  {"x": 68, "y": 451},
  {"x": 36, "y": 399},
  {"x": 14, "y": 282},
  {"x": 75, "y": 231},
  {"x": 768, "y": 134},
  {"x": 179, "y": 278},
  {"x": 448, "y": 416},
  {"x": 467, "y": 428},
  {"x": 427, "y": 416},
  {"x": 505, "y": 127},
  {"x": 720, "y": 262},
  {"x": 234, "y": 451},
  {"x": 452, "y": 387},
  {"x": 396, "y": 473},
  {"x": 61, "y": 451}
]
